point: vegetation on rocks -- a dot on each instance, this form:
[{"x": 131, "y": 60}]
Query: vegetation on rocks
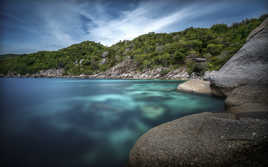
[{"x": 172, "y": 50}]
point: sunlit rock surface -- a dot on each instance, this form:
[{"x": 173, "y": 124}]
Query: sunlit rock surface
[{"x": 195, "y": 86}]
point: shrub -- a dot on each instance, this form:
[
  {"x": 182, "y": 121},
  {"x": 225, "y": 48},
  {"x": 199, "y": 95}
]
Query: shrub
[
  {"x": 219, "y": 28},
  {"x": 215, "y": 49}
]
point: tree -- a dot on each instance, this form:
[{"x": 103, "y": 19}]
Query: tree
[
  {"x": 215, "y": 49},
  {"x": 179, "y": 57},
  {"x": 219, "y": 28}
]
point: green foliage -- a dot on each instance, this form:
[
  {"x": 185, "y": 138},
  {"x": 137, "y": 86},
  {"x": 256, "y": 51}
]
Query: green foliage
[
  {"x": 215, "y": 49},
  {"x": 164, "y": 72},
  {"x": 198, "y": 68},
  {"x": 219, "y": 28},
  {"x": 147, "y": 51},
  {"x": 179, "y": 57}
]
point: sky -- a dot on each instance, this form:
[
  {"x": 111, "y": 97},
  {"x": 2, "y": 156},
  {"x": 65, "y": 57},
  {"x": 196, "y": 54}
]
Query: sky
[{"x": 28, "y": 26}]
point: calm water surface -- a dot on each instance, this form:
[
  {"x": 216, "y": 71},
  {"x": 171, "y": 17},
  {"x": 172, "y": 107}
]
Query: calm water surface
[{"x": 79, "y": 123}]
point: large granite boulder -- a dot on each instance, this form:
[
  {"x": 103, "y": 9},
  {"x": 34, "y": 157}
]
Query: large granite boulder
[
  {"x": 249, "y": 65},
  {"x": 203, "y": 140},
  {"x": 195, "y": 86},
  {"x": 236, "y": 138},
  {"x": 249, "y": 101},
  {"x": 244, "y": 78}
]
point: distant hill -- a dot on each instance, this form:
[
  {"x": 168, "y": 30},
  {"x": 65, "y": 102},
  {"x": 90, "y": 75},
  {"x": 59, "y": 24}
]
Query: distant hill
[{"x": 213, "y": 46}]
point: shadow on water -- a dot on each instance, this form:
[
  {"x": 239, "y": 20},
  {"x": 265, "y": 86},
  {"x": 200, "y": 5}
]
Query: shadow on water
[{"x": 65, "y": 122}]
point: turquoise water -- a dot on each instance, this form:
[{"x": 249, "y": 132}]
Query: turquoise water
[{"x": 76, "y": 122}]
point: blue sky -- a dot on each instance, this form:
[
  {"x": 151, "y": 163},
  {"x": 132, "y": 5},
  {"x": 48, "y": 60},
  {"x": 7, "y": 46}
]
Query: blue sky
[{"x": 33, "y": 25}]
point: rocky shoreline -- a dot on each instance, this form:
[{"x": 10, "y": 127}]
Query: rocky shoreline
[
  {"x": 178, "y": 74},
  {"x": 238, "y": 137}
]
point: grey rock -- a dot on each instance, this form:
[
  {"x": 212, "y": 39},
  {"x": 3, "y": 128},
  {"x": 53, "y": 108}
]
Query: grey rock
[
  {"x": 127, "y": 69},
  {"x": 81, "y": 61},
  {"x": 51, "y": 72},
  {"x": 196, "y": 86},
  {"x": 249, "y": 65},
  {"x": 199, "y": 59},
  {"x": 258, "y": 29},
  {"x": 208, "y": 75},
  {"x": 105, "y": 54},
  {"x": 248, "y": 98},
  {"x": 203, "y": 140},
  {"x": 244, "y": 78},
  {"x": 234, "y": 139},
  {"x": 103, "y": 61}
]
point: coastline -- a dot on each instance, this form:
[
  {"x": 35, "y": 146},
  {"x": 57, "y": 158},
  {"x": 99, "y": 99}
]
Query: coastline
[
  {"x": 89, "y": 77},
  {"x": 236, "y": 137}
]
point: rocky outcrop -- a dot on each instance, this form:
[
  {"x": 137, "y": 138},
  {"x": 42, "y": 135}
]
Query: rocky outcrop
[
  {"x": 203, "y": 140},
  {"x": 249, "y": 101},
  {"x": 248, "y": 66},
  {"x": 196, "y": 86},
  {"x": 123, "y": 70},
  {"x": 244, "y": 78},
  {"x": 127, "y": 69},
  {"x": 43, "y": 73},
  {"x": 235, "y": 138},
  {"x": 51, "y": 72}
]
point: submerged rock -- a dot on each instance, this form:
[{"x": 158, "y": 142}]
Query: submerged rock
[
  {"x": 195, "y": 86},
  {"x": 203, "y": 140},
  {"x": 152, "y": 112}
]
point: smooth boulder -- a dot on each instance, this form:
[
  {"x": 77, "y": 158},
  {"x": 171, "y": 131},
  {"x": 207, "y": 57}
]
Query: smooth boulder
[
  {"x": 195, "y": 86},
  {"x": 236, "y": 138},
  {"x": 248, "y": 66},
  {"x": 203, "y": 140},
  {"x": 243, "y": 80}
]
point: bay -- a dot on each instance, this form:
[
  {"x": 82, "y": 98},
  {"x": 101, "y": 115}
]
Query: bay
[{"x": 79, "y": 122}]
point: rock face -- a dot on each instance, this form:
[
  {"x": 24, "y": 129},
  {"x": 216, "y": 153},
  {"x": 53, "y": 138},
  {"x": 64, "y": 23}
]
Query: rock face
[
  {"x": 203, "y": 140},
  {"x": 249, "y": 65},
  {"x": 196, "y": 86},
  {"x": 244, "y": 78},
  {"x": 249, "y": 100},
  {"x": 127, "y": 69}
]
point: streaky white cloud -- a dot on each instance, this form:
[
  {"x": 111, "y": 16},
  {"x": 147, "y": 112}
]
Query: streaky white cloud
[
  {"x": 51, "y": 25},
  {"x": 132, "y": 23}
]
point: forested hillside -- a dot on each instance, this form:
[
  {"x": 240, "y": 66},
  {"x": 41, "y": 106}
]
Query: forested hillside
[{"x": 213, "y": 46}]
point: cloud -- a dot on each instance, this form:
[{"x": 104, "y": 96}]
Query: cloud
[
  {"x": 51, "y": 25},
  {"x": 131, "y": 23}
]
